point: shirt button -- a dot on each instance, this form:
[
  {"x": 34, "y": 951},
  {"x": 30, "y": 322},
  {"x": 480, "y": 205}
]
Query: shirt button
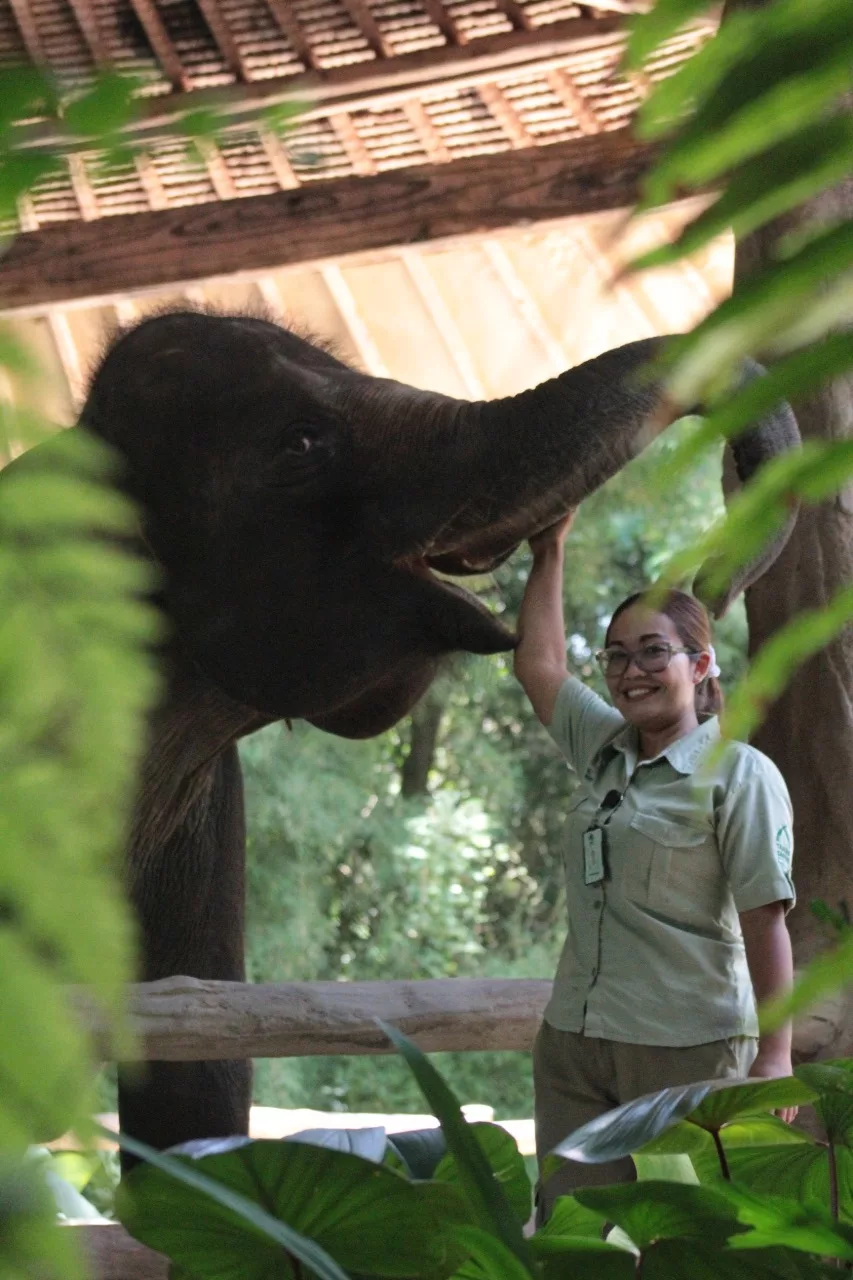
[{"x": 597, "y": 906}]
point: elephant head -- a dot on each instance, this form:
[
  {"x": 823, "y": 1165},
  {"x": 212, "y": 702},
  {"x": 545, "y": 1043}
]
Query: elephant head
[{"x": 300, "y": 508}]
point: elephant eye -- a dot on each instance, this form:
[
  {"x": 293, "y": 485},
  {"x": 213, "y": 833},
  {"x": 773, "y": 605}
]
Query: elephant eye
[{"x": 299, "y": 443}]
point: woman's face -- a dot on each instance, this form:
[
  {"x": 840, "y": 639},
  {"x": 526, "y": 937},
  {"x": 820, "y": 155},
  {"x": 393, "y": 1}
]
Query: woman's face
[{"x": 653, "y": 701}]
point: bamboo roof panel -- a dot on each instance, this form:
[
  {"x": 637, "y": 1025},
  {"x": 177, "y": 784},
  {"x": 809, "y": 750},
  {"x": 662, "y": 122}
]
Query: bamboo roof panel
[{"x": 179, "y": 47}]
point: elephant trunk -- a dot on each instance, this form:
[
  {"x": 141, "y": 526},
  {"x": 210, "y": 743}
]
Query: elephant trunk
[{"x": 543, "y": 451}]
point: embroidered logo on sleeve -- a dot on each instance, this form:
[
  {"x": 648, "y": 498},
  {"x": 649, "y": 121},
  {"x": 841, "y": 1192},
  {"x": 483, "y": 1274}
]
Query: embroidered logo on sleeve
[{"x": 784, "y": 847}]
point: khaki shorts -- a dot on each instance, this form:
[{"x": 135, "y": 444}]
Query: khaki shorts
[{"x": 577, "y": 1078}]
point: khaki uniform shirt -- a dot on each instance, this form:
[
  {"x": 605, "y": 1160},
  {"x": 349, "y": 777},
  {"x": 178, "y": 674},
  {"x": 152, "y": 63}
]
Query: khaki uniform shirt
[{"x": 654, "y": 953}]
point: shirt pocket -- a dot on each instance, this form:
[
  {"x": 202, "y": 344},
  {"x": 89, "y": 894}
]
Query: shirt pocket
[{"x": 674, "y": 868}]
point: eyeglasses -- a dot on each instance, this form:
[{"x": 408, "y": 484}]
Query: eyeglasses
[{"x": 650, "y": 658}]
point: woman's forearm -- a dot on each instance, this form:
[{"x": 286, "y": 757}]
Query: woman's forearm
[
  {"x": 540, "y": 620},
  {"x": 771, "y": 968},
  {"x": 540, "y": 656}
]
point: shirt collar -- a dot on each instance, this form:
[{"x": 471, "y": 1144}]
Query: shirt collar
[{"x": 684, "y": 754}]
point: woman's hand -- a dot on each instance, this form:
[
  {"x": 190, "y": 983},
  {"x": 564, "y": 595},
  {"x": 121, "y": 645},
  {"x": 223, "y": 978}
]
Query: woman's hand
[
  {"x": 554, "y": 535},
  {"x": 773, "y": 1065}
]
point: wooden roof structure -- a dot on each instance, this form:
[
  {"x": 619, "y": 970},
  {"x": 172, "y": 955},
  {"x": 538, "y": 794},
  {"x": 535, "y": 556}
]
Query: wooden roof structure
[{"x": 448, "y": 190}]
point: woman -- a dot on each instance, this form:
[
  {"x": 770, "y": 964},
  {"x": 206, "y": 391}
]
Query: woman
[{"x": 677, "y": 870}]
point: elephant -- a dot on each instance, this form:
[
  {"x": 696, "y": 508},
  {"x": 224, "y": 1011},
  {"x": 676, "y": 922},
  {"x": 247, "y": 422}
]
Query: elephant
[{"x": 300, "y": 512}]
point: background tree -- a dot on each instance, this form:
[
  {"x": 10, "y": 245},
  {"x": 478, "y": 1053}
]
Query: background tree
[{"x": 808, "y": 731}]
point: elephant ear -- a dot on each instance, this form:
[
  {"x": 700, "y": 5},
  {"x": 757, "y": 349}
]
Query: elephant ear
[{"x": 742, "y": 458}]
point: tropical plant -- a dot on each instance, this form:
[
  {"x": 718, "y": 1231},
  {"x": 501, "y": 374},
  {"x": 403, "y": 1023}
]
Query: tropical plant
[{"x": 724, "y": 1189}]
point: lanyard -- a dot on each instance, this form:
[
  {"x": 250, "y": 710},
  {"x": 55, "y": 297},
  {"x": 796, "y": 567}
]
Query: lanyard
[{"x": 594, "y": 870}]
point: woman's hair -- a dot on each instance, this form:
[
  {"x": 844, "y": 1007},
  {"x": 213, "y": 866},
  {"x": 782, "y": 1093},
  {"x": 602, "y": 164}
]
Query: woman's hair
[{"x": 690, "y": 619}]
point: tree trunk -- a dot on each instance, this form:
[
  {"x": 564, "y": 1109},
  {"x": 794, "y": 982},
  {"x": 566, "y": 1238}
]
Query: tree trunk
[
  {"x": 423, "y": 740},
  {"x": 809, "y": 731}
]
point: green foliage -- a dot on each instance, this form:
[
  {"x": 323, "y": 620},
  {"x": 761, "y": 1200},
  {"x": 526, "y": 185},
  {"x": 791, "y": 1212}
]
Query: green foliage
[
  {"x": 748, "y": 1214},
  {"x": 483, "y": 1192},
  {"x": 75, "y": 682}
]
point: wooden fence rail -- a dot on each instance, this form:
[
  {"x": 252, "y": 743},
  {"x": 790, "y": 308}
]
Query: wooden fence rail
[
  {"x": 187, "y": 1020},
  {"x": 183, "y": 1019}
]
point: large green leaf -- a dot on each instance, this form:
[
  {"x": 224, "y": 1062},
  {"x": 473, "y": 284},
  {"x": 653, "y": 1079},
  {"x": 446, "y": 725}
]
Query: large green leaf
[
  {"x": 777, "y": 1221},
  {"x": 791, "y": 172},
  {"x": 489, "y": 1258},
  {"x": 651, "y": 29},
  {"x": 793, "y": 377},
  {"x": 24, "y": 91},
  {"x": 506, "y": 1162},
  {"x": 652, "y": 1211},
  {"x": 694, "y": 1260},
  {"x": 76, "y": 681},
  {"x": 834, "y": 1105},
  {"x": 625, "y": 1129},
  {"x": 743, "y": 114},
  {"x": 569, "y": 1218},
  {"x": 751, "y": 1131},
  {"x": 659, "y": 1167},
  {"x": 482, "y": 1190},
  {"x": 827, "y": 972},
  {"x": 564, "y": 1258},
  {"x": 721, "y": 1106},
  {"x": 805, "y": 635},
  {"x": 30, "y": 1243},
  {"x": 799, "y": 1172},
  {"x": 107, "y": 107},
  {"x": 765, "y": 310},
  {"x": 420, "y": 1150},
  {"x": 681, "y": 1139},
  {"x": 321, "y": 1202}
]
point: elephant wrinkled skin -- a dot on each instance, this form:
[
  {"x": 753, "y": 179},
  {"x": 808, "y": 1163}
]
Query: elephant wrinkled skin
[{"x": 297, "y": 509}]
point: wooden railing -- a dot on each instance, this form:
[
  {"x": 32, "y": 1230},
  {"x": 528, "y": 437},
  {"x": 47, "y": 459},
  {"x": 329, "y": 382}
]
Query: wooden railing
[{"x": 188, "y": 1020}]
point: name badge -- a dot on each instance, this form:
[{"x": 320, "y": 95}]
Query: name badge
[{"x": 593, "y": 856}]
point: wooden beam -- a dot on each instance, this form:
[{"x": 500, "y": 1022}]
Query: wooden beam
[
  {"x": 161, "y": 43},
  {"x": 526, "y": 304},
  {"x": 84, "y": 192},
  {"x": 224, "y": 39},
  {"x": 358, "y": 86},
  {"x": 564, "y": 89},
  {"x": 426, "y": 133},
  {"x": 444, "y": 20},
  {"x": 113, "y": 1254},
  {"x": 279, "y": 160},
  {"x": 294, "y": 33},
  {"x": 443, "y": 321},
  {"x": 364, "y": 20},
  {"x": 87, "y": 21},
  {"x": 151, "y": 181},
  {"x": 188, "y": 1020},
  {"x": 322, "y": 220},
  {"x": 517, "y": 14},
  {"x": 356, "y": 326},
  {"x": 217, "y": 169},
  {"x": 506, "y": 115},
  {"x": 30, "y": 34},
  {"x": 353, "y": 144}
]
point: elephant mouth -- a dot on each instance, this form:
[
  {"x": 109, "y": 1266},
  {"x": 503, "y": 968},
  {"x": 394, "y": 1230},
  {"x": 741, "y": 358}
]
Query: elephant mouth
[{"x": 450, "y": 611}]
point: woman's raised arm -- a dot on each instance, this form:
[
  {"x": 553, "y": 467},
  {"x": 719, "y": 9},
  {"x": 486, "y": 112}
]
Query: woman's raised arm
[{"x": 540, "y": 657}]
